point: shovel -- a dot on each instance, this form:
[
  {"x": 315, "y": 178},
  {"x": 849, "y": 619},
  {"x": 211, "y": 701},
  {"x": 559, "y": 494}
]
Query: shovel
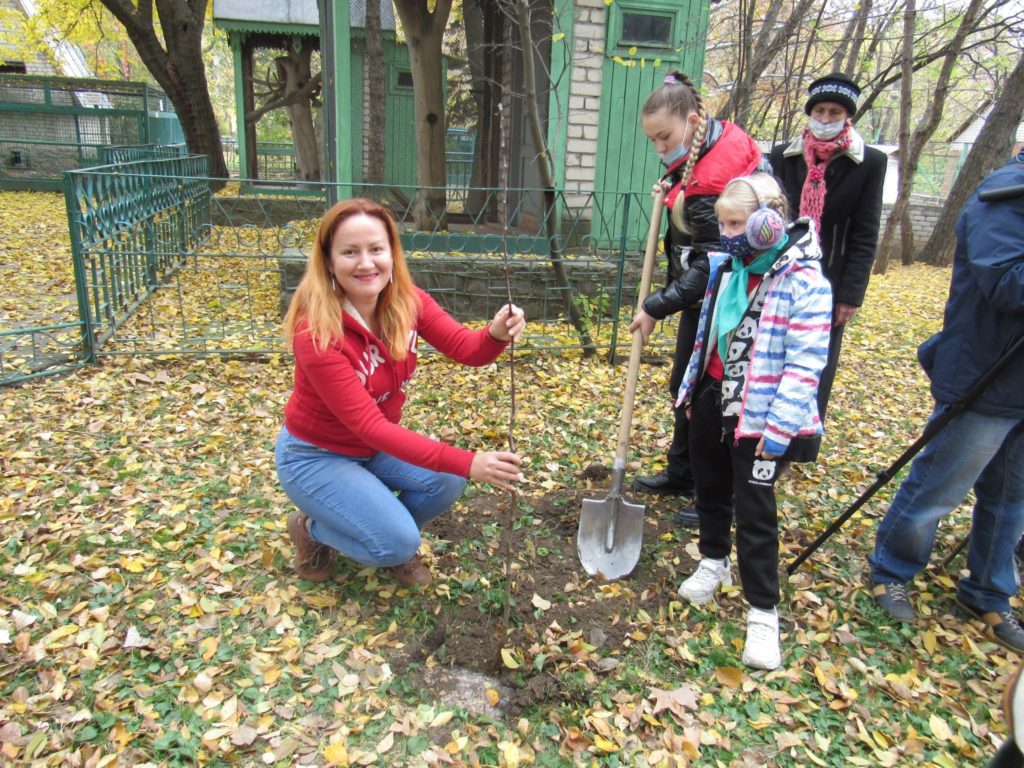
[{"x": 611, "y": 529}]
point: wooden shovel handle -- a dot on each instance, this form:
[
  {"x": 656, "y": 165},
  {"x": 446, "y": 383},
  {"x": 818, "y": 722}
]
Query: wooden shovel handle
[{"x": 653, "y": 234}]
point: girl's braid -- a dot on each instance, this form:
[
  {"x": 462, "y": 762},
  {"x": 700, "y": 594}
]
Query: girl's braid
[{"x": 695, "y": 146}]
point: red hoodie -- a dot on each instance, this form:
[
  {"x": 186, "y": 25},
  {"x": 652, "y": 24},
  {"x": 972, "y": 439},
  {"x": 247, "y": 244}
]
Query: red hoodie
[{"x": 348, "y": 399}]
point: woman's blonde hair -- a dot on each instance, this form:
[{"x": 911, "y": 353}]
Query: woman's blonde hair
[
  {"x": 681, "y": 98},
  {"x": 319, "y": 301},
  {"x": 748, "y": 193}
]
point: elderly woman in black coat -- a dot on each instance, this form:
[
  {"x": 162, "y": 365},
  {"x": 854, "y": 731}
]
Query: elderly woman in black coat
[{"x": 831, "y": 176}]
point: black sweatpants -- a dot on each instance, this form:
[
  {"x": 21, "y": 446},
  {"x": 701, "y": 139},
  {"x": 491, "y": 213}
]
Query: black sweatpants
[
  {"x": 679, "y": 451},
  {"x": 732, "y": 482}
]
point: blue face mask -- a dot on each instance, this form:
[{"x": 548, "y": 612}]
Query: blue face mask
[
  {"x": 738, "y": 246},
  {"x": 671, "y": 158}
]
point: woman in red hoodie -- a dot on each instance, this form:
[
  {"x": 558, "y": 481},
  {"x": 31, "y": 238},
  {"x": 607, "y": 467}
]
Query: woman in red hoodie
[{"x": 365, "y": 486}]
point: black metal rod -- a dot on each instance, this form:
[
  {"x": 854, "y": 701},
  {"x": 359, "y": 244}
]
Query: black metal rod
[
  {"x": 1001, "y": 193},
  {"x": 956, "y": 551},
  {"x": 930, "y": 431}
]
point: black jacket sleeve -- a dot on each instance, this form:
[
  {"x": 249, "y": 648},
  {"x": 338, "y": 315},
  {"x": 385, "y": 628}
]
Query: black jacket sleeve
[{"x": 688, "y": 288}]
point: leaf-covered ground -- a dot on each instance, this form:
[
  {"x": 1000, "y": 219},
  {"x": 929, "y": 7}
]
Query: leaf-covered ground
[{"x": 148, "y": 613}]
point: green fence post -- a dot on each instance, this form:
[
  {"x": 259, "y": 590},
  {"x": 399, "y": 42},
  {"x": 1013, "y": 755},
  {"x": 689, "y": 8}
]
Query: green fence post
[
  {"x": 145, "y": 115},
  {"x": 81, "y": 290}
]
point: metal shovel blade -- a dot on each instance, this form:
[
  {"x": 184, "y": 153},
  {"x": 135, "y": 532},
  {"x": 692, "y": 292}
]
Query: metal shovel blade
[{"x": 610, "y": 535}]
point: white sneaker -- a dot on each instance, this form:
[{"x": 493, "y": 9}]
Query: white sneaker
[
  {"x": 700, "y": 588},
  {"x": 761, "y": 649}
]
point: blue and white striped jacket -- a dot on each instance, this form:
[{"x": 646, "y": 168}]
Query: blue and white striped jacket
[{"x": 790, "y": 348}]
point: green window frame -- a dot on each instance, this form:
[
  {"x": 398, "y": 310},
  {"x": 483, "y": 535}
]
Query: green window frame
[
  {"x": 403, "y": 79},
  {"x": 626, "y": 27}
]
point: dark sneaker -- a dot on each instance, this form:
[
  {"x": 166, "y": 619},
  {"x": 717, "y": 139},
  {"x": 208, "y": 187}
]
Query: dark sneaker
[
  {"x": 894, "y": 600},
  {"x": 687, "y": 517},
  {"x": 663, "y": 484},
  {"x": 1003, "y": 627}
]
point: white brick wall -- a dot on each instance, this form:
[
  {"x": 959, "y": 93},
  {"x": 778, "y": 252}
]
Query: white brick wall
[
  {"x": 924, "y": 215},
  {"x": 584, "y": 96}
]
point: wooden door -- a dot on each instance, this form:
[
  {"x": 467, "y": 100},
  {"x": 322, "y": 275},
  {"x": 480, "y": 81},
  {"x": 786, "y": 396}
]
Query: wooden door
[{"x": 644, "y": 42}]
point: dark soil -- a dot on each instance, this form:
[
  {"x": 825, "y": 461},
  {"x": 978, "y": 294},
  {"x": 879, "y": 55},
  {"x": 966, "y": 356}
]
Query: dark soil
[{"x": 468, "y": 633}]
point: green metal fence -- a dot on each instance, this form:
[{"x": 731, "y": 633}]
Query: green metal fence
[
  {"x": 275, "y": 160},
  {"x": 132, "y": 227},
  {"x": 52, "y": 124},
  {"x": 163, "y": 266}
]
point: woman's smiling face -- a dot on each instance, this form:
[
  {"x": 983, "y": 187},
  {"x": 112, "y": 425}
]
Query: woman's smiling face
[{"x": 361, "y": 258}]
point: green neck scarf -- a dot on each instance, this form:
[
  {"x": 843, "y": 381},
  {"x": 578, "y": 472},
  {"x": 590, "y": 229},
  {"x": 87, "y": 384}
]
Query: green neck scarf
[{"x": 733, "y": 302}]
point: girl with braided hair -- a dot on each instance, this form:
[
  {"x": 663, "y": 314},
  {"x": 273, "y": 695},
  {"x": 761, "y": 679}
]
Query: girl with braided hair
[{"x": 701, "y": 155}]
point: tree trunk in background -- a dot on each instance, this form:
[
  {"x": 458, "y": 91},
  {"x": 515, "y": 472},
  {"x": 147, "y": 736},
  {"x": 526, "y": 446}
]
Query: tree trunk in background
[
  {"x": 991, "y": 149},
  {"x": 376, "y": 83},
  {"x": 794, "y": 111},
  {"x": 485, "y": 33},
  {"x": 179, "y": 68},
  {"x": 758, "y": 52},
  {"x": 926, "y": 126},
  {"x": 897, "y": 216},
  {"x": 906, "y": 237},
  {"x": 294, "y": 72},
  {"x": 852, "y": 40},
  {"x": 424, "y": 30},
  {"x": 547, "y": 178}
]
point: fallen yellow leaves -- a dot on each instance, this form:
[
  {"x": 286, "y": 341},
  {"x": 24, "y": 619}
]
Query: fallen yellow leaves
[{"x": 149, "y": 613}]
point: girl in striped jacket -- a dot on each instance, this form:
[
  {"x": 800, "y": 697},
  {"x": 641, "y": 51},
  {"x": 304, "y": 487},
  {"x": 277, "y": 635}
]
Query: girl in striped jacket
[{"x": 750, "y": 391}]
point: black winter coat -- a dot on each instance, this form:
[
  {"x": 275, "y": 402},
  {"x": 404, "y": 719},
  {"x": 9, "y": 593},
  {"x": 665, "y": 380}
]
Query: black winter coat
[{"x": 850, "y": 219}]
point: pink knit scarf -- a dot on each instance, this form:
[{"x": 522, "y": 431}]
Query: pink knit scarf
[{"x": 817, "y": 154}]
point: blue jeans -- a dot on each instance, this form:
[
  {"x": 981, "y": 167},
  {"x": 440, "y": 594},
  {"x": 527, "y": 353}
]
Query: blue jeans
[
  {"x": 973, "y": 449},
  {"x": 369, "y": 509}
]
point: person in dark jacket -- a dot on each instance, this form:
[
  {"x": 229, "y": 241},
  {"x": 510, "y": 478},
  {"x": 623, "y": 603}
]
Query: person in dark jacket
[
  {"x": 842, "y": 194},
  {"x": 701, "y": 154},
  {"x": 983, "y": 446}
]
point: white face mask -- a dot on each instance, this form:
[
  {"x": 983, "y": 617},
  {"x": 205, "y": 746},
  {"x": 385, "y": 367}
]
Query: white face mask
[{"x": 825, "y": 131}]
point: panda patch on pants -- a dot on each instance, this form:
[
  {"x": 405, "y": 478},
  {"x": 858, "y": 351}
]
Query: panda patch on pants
[{"x": 763, "y": 472}]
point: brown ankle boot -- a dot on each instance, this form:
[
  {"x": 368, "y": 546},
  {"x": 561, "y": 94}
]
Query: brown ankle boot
[
  {"x": 412, "y": 573},
  {"x": 313, "y": 561}
]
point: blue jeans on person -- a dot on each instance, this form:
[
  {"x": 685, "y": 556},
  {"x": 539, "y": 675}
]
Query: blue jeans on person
[
  {"x": 369, "y": 509},
  {"x": 973, "y": 449}
]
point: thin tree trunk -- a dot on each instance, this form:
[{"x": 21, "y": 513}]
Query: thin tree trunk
[
  {"x": 906, "y": 238},
  {"x": 927, "y": 125},
  {"x": 424, "y": 30},
  {"x": 759, "y": 51},
  {"x": 797, "y": 110},
  {"x": 485, "y": 33},
  {"x": 991, "y": 149},
  {"x": 547, "y": 177},
  {"x": 848, "y": 53},
  {"x": 376, "y": 84},
  {"x": 896, "y": 217}
]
